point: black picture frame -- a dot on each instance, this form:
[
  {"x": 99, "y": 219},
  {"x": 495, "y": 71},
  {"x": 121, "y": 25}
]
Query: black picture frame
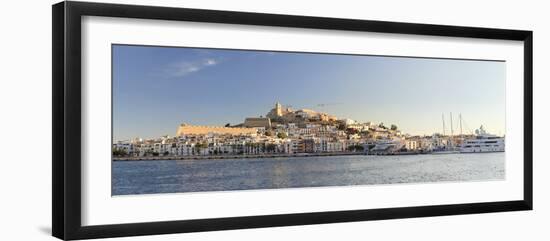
[{"x": 66, "y": 158}]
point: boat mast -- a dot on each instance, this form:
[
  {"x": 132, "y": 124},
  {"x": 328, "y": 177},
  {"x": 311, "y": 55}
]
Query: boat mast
[
  {"x": 451, "y": 114},
  {"x": 443, "y": 120},
  {"x": 451, "y": 137},
  {"x": 460, "y": 121}
]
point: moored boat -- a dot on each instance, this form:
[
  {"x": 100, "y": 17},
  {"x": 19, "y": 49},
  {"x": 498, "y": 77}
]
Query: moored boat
[{"x": 483, "y": 142}]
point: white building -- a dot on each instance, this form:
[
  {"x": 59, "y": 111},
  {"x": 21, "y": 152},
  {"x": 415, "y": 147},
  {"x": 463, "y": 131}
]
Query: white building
[{"x": 411, "y": 144}]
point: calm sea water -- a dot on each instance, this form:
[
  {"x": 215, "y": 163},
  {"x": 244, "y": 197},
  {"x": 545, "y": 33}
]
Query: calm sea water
[{"x": 173, "y": 176}]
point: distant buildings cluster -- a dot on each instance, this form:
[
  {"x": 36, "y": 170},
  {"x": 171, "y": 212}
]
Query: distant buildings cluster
[{"x": 282, "y": 131}]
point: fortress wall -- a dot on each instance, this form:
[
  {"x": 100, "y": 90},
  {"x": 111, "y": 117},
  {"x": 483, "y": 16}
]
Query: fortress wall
[{"x": 202, "y": 130}]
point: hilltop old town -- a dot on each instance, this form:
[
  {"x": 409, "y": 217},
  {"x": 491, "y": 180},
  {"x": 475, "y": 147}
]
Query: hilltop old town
[{"x": 284, "y": 132}]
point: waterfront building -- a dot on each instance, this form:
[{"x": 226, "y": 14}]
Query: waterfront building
[
  {"x": 125, "y": 147},
  {"x": 439, "y": 142},
  {"x": 336, "y": 146},
  {"x": 183, "y": 149},
  {"x": 411, "y": 145},
  {"x": 309, "y": 145},
  {"x": 321, "y": 144},
  {"x": 424, "y": 143}
]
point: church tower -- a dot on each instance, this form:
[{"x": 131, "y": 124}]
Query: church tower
[{"x": 278, "y": 109}]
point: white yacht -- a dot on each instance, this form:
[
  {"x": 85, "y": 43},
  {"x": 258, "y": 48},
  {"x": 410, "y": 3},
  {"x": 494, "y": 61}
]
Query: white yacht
[
  {"x": 386, "y": 146},
  {"x": 483, "y": 142}
]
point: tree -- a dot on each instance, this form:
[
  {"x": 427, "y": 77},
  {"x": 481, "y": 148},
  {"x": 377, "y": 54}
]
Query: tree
[
  {"x": 381, "y": 125},
  {"x": 393, "y": 127},
  {"x": 166, "y": 153},
  {"x": 200, "y": 146},
  {"x": 342, "y": 126},
  {"x": 282, "y": 135},
  {"x": 228, "y": 125},
  {"x": 119, "y": 152},
  {"x": 351, "y": 131}
]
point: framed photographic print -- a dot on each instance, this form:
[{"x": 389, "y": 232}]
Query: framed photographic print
[{"x": 169, "y": 120}]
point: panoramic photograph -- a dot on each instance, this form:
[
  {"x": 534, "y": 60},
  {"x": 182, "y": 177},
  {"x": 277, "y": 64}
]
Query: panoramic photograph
[{"x": 188, "y": 119}]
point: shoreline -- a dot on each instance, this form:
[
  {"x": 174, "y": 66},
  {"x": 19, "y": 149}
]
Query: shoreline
[{"x": 242, "y": 156}]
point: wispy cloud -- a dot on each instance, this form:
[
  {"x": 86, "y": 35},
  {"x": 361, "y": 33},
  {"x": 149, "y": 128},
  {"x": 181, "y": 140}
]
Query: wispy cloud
[
  {"x": 209, "y": 62},
  {"x": 184, "y": 68}
]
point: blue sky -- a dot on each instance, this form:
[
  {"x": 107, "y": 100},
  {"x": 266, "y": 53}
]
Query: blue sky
[{"x": 157, "y": 88}]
